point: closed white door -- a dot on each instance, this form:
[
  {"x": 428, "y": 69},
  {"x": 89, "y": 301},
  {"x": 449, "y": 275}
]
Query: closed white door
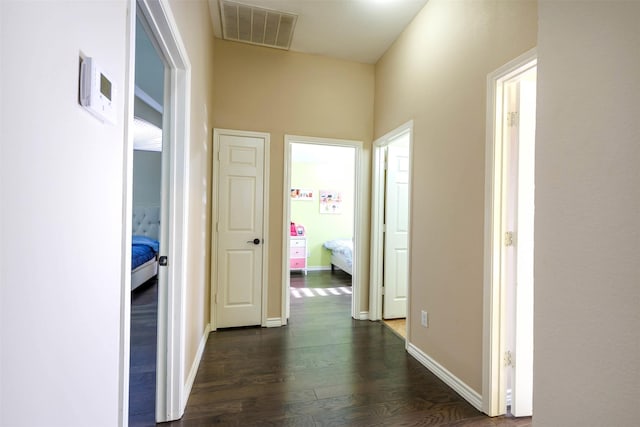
[
  {"x": 397, "y": 228},
  {"x": 240, "y": 230}
]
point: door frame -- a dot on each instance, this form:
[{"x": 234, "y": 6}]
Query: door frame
[
  {"x": 358, "y": 232},
  {"x": 217, "y": 132},
  {"x": 494, "y": 319},
  {"x": 378, "y": 193},
  {"x": 171, "y": 398}
]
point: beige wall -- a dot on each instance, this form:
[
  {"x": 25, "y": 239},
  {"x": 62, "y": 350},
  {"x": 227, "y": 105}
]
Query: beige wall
[
  {"x": 280, "y": 92},
  {"x": 587, "y": 297},
  {"x": 195, "y": 29},
  {"x": 435, "y": 74}
]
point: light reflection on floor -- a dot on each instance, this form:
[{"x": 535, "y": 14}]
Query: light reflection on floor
[{"x": 319, "y": 292}]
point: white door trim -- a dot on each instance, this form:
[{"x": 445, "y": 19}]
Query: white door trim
[
  {"x": 127, "y": 220},
  {"x": 265, "y": 224},
  {"x": 170, "y": 393},
  {"x": 358, "y": 231},
  {"x": 377, "y": 220},
  {"x": 493, "y": 384}
]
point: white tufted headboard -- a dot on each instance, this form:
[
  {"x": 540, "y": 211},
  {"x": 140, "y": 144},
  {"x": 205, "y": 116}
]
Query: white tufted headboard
[{"x": 146, "y": 221}]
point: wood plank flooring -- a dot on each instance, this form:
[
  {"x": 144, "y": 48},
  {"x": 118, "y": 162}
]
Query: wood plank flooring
[
  {"x": 399, "y": 326},
  {"x": 323, "y": 369},
  {"x": 142, "y": 362}
]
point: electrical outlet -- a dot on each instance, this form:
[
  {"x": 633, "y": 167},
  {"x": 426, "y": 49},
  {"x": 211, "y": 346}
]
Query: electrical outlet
[{"x": 424, "y": 320}]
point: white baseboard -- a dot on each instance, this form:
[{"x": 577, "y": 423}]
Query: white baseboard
[
  {"x": 274, "y": 322},
  {"x": 363, "y": 315},
  {"x": 469, "y": 394},
  {"x": 319, "y": 268},
  {"x": 194, "y": 367}
]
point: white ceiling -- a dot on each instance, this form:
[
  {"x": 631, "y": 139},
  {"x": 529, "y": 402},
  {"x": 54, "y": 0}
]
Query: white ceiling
[{"x": 357, "y": 30}]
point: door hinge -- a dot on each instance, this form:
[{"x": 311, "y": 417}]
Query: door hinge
[
  {"x": 384, "y": 228},
  {"x": 508, "y": 238},
  {"x": 216, "y": 227},
  {"x": 508, "y": 358},
  {"x": 513, "y": 119},
  {"x": 215, "y": 298},
  {"x": 382, "y": 293}
]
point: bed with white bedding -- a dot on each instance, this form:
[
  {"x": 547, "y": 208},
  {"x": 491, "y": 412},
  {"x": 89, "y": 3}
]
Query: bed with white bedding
[
  {"x": 144, "y": 244},
  {"x": 341, "y": 254}
]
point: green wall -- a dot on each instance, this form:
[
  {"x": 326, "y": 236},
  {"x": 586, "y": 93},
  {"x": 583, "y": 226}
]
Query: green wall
[{"x": 316, "y": 168}]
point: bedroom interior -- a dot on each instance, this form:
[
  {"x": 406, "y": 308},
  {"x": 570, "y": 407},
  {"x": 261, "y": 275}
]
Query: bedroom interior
[
  {"x": 322, "y": 220},
  {"x": 322, "y": 194},
  {"x": 147, "y": 159}
]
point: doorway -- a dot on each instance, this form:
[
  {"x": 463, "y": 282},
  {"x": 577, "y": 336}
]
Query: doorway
[
  {"x": 321, "y": 224},
  {"x": 390, "y": 225},
  {"x": 147, "y": 200},
  {"x": 159, "y": 25},
  {"x": 322, "y": 220},
  {"x": 509, "y": 243}
]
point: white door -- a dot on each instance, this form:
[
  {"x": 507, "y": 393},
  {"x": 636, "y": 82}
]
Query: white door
[
  {"x": 520, "y": 98},
  {"x": 240, "y": 230},
  {"x": 397, "y": 228}
]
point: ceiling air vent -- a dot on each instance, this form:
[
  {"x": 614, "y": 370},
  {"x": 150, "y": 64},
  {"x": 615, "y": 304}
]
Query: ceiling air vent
[{"x": 255, "y": 25}]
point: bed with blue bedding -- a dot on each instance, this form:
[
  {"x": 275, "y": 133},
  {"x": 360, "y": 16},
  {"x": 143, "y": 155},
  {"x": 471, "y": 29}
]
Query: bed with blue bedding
[
  {"x": 143, "y": 249},
  {"x": 144, "y": 244},
  {"x": 341, "y": 254}
]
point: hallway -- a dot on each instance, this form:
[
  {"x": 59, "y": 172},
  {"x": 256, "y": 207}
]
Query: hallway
[{"x": 323, "y": 369}]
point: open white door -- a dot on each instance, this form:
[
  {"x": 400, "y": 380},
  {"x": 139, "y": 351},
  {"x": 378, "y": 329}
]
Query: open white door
[
  {"x": 390, "y": 223},
  {"x": 397, "y": 228},
  {"x": 523, "y": 93},
  {"x": 509, "y": 245},
  {"x": 240, "y": 225}
]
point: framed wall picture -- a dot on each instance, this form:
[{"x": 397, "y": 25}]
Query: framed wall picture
[
  {"x": 330, "y": 202},
  {"x": 301, "y": 194}
]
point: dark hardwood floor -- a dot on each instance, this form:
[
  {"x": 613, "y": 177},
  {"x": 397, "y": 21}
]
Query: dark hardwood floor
[
  {"x": 323, "y": 369},
  {"x": 142, "y": 364}
]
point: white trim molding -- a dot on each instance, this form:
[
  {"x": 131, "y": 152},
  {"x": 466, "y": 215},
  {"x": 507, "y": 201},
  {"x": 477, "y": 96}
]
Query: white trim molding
[
  {"x": 274, "y": 322},
  {"x": 363, "y": 315},
  {"x": 459, "y": 386},
  {"x": 195, "y": 365},
  {"x": 127, "y": 220},
  {"x": 148, "y": 99},
  {"x": 265, "y": 227},
  {"x": 319, "y": 268}
]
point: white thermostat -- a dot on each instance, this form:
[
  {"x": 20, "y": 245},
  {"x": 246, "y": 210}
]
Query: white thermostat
[{"x": 97, "y": 91}]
